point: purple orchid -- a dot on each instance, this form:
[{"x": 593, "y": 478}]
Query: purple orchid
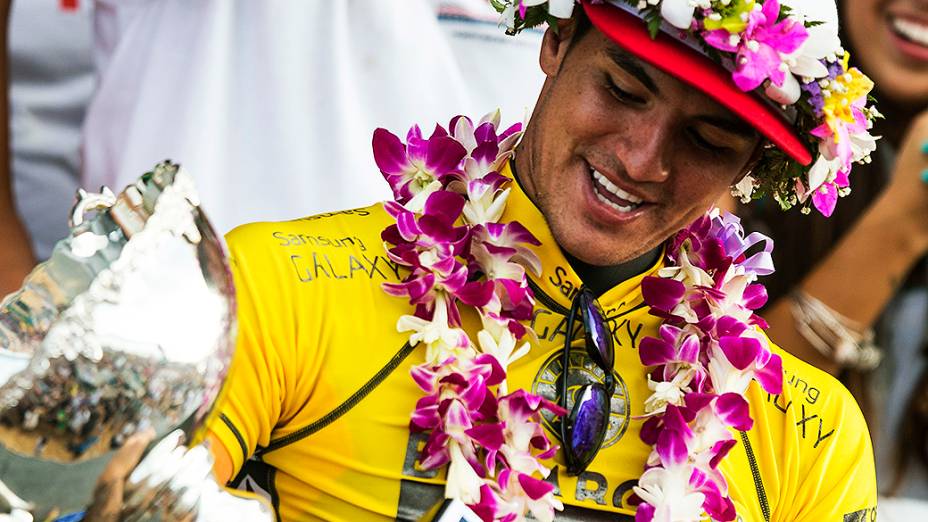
[
  {"x": 413, "y": 167},
  {"x": 674, "y": 349},
  {"x": 487, "y": 151}
]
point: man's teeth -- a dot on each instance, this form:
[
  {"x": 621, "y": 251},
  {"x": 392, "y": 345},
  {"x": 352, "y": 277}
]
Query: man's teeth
[
  {"x": 616, "y": 191},
  {"x": 616, "y": 206},
  {"x": 914, "y": 31}
]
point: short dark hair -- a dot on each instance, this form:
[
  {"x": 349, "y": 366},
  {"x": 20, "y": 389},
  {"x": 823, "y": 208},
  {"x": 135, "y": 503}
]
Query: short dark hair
[{"x": 583, "y": 23}]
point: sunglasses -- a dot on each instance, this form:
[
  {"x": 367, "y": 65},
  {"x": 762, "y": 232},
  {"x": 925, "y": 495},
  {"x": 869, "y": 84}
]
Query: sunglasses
[{"x": 583, "y": 430}]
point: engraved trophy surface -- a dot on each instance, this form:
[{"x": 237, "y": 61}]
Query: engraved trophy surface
[{"x": 130, "y": 324}]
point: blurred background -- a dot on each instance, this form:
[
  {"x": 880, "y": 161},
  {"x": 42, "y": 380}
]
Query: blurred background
[{"x": 270, "y": 105}]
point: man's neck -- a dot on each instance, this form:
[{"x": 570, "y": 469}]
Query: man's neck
[{"x": 600, "y": 279}]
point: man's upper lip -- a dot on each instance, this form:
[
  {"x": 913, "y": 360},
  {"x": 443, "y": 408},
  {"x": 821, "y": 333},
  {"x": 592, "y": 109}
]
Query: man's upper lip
[{"x": 611, "y": 176}]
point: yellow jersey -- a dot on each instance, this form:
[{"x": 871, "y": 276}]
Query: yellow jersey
[{"x": 316, "y": 411}]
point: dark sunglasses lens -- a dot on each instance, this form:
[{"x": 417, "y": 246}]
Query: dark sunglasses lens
[
  {"x": 588, "y": 419},
  {"x": 598, "y": 336}
]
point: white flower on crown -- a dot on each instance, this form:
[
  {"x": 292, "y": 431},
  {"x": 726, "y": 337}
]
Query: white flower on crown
[
  {"x": 557, "y": 8},
  {"x": 680, "y": 13},
  {"x": 744, "y": 189},
  {"x": 806, "y": 62}
]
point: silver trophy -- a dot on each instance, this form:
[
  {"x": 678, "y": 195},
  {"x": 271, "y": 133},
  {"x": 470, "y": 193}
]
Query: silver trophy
[{"x": 129, "y": 325}]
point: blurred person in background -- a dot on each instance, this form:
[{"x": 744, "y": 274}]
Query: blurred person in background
[
  {"x": 17, "y": 256},
  {"x": 245, "y": 95},
  {"x": 863, "y": 270},
  {"x": 47, "y": 69},
  {"x": 258, "y": 99}
]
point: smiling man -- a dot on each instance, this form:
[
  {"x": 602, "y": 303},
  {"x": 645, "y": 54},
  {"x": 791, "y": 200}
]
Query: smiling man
[{"x": 646, "y": 365}]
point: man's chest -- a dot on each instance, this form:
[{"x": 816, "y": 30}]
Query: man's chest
[{"x": 370, "y": 447}]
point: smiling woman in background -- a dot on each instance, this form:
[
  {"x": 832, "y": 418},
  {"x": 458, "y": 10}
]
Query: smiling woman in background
[{"x": 821, "y": 305}]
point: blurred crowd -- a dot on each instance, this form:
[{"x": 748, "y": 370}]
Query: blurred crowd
[
  {"x": 261, "y": 101},
  {"x": 86, "y": 409}
]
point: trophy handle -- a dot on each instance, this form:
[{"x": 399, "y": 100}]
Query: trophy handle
[
  {"x": 174, "y": 482},
  {"x": 90, "y": 201},
  {"x": 13, "y": 508}
]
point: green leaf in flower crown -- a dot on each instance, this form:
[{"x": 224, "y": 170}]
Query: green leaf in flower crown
[{"x": 654, "y": 20}]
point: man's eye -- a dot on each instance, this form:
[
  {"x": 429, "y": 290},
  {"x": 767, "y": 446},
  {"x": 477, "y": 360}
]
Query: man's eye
[
  {"x": 623, "y": 96},
  {"x": 705, "y": 144}
]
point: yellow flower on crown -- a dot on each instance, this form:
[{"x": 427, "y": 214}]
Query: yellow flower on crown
[
  {"x": 732, "y": 17},
  {"x": 841, "y": 93}
]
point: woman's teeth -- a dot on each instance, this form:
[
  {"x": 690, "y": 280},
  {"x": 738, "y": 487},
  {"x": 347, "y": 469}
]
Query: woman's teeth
[
  {"x": 604, "y": 183},
  {"x": 912, "y": 31}
]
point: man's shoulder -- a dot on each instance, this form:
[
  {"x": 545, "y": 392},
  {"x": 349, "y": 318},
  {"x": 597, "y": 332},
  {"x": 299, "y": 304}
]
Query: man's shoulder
[
  {"x": 807, "y": 383},
  {"x": 333, "y": 247},
  {"x": 813, "y": 414},
  {"x": 361, "y": 226}
]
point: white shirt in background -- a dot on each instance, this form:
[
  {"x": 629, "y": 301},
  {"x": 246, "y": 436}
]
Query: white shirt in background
[
  {"x": 51, "y": 81},
  {"x": 271, "y": 105}
]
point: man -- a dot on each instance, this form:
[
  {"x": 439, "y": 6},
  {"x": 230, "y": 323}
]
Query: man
[{"x": 619, "y": 155}]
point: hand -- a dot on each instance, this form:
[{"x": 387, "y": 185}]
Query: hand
[
  {"x": 907, "y": 194},
  {"x": 108, "y": 494}
]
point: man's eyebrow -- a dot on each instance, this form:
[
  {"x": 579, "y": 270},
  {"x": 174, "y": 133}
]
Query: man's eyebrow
[
  {"x": 632, "y": 66},
  {"x": 732, "y": 125}
]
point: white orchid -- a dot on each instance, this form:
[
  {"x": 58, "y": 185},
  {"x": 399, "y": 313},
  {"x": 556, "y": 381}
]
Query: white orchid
[
  {"x": 668, "y": 490},
  {"x": 497, "y": 340},
  {"x": 417, "y": 203},
  {"x": 668, "y": 392},
  {"x": 724, "y": 376},
  {"x": 442, "y": 341},
  {"x": 484, "y": 204},
  {"x": 463, "y": 482}
]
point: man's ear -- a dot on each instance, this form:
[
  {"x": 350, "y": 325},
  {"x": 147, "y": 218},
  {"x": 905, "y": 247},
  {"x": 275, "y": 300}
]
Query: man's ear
[{"x": 554, "y": 46}]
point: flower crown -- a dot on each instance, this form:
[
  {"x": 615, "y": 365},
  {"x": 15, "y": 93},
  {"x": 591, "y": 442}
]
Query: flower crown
[{"x": 768, "y": 49}]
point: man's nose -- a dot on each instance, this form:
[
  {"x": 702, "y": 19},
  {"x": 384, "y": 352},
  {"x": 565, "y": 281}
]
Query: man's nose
[{"x": 645, "y": 153}]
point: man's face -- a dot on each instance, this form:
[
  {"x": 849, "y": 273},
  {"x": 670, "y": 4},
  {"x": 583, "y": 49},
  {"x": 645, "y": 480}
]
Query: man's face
[{"x": 618, "y": 155}]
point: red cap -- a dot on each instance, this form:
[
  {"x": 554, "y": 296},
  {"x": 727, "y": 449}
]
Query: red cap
[{"x": 676, "y": 58}]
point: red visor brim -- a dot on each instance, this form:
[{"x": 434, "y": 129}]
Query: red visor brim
[{"x": 677, "y": 59}]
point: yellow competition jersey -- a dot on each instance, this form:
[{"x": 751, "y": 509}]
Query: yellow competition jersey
[{"x": 320, "y": 394}]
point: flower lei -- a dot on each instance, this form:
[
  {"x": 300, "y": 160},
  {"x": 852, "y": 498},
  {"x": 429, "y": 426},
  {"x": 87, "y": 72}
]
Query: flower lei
[
  {"x": 708, "y": 351},
  {"x": 492, "y": 440},
  {"x": 449, "y": 201},
  {"x": 768, "y": 48}
]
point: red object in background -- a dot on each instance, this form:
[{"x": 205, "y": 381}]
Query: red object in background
[{"x": 69, "y": 5}]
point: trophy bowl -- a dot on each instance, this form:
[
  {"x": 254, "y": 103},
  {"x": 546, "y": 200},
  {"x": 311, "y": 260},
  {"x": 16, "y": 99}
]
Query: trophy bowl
[{"x": 130, "y": 324}]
